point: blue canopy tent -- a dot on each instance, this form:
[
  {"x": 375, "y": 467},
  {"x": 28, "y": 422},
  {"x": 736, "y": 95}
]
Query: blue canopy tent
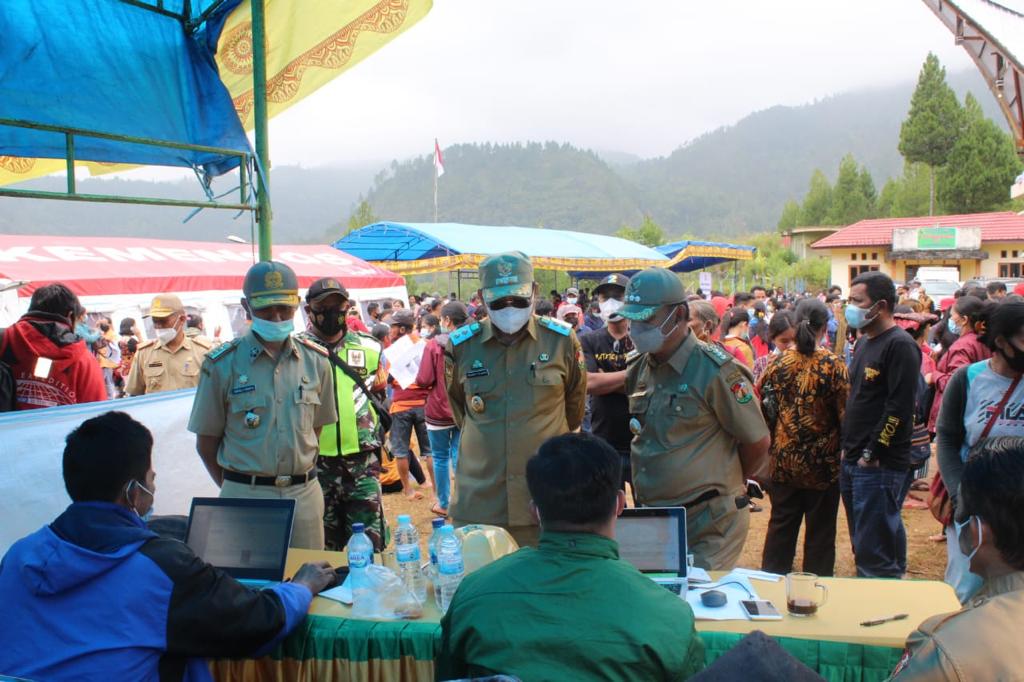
[
  {"x": 689, "y": 255},
  {"x": 420, "y": 248}
]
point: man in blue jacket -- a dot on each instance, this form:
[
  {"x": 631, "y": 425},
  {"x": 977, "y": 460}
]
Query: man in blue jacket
[{"x": 96, "y": 595}]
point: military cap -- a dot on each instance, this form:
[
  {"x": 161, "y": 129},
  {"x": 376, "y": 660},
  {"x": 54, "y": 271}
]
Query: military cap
[
  {"x": 166, "y": 305},
  {"x": 324, "y": 287},
  {"x": 269, "y": 283},
  {"x": 650, "y": 289},
  {"x": 506, "y": 274}
]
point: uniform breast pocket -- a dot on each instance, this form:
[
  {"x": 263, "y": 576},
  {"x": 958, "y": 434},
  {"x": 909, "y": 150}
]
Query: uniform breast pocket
[
  {"x": 481, "y": 386},
  {"x": 639, "y": 403},
  {"x": 307, "y": 401},
  {"x": 684, "y": 406},
  {"x": 547, "y": 377},
  {"x": 249, "y": 415},
  {"x": 154, "y": 374}
]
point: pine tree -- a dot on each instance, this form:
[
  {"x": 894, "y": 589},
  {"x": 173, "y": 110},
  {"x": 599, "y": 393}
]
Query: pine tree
[
  {"x": 913, "y": 195},
  {"x": 853, "y": 196},
  {"x": 817, "y": 202},
  {"x": 934, "y": 122},
  {"x": 362, "y": 216},
  {"x": 790, "y": 217},
  {"x": 981, "y": 168},
  {"x": 649, "y": 233}
]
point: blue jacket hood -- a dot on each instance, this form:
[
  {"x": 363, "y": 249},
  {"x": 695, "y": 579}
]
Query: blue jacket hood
[{"x": 85, "y": 542}]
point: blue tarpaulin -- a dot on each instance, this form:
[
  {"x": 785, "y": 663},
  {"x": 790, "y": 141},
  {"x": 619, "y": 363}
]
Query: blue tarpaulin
[{"x": 112, "y": 67}]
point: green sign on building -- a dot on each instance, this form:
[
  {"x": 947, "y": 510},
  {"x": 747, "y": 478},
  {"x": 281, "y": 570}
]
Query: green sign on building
[{"x": 936, "y": 238}]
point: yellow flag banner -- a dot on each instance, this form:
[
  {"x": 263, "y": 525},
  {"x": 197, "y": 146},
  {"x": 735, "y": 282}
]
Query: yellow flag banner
[{"x": 307, "y": 45}]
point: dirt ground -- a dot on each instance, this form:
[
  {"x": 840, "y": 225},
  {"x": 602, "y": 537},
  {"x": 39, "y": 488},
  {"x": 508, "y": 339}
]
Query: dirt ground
[{"x": 926, "y": 560}]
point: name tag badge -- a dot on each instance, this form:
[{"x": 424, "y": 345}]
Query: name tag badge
[
  {"x": 42, "y": 369},
  {"x": 237, "y": 390},
  {"x": 474, "y": 373}
]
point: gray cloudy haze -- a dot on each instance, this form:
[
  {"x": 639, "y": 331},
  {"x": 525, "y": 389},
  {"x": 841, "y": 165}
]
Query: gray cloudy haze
[{"x": 638, "y": 77}]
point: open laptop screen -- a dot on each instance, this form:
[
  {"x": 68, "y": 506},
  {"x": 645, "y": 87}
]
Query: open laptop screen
[
  {"x": 245, "y": 537},
  {"x": 653, "y": 539}
]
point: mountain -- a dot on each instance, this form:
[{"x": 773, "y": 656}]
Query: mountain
[{"x": 730, "y": 181}]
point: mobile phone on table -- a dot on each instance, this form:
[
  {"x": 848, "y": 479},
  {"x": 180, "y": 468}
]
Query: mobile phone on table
[{"x": 760, "y": 609}]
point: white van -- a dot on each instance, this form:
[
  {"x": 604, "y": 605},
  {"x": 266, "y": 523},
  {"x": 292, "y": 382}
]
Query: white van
[{"x": 944, "y": 273}]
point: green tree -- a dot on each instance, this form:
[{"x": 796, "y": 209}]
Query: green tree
[
  {"x": 933, "y": 124},
  {"x": 981, "y": 168},
  {"x": 817, "y": 202},
  {"x": 913, "y": 192},
  {"x": 853, "y": 195},
  {"x": 790, "y": 217},
  {"x": 362, "y": 216},
  {"x": 649, "y": 233}
]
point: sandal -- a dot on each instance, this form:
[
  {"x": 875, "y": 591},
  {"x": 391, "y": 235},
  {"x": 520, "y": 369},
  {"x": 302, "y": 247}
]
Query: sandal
[
  {"x": 938, "y": 537},
  {"x": 439, "y": 510}
]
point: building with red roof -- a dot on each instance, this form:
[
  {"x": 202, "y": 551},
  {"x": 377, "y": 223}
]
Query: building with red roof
[{"x": 979, "y": 245}]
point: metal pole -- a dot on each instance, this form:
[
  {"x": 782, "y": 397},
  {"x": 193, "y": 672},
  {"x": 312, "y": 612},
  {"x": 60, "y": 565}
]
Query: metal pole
[
  {"x": 259, "y": 91},
  {"x": 69, "y": 154}
]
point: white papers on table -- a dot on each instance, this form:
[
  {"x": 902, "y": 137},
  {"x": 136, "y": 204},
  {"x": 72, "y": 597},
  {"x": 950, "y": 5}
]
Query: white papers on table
[
  {"x": 404, "y": 358},
  {"x": 758, "y": 575},
  {"x": 696, "y": 574},
  {"x": 734, "y": 595},
  {"x": 342, "y": 592}
]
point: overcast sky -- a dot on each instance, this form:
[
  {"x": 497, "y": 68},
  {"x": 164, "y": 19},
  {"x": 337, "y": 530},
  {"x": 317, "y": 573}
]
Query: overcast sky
[{"x": 640, "y": 77}]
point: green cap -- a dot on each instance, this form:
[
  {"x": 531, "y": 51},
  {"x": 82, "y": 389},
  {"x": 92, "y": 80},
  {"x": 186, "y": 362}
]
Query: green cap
[
  {"x": 506, "y": 274},
  {"x": 650, "y": 289},
  {"x": 271, "y": 283}
]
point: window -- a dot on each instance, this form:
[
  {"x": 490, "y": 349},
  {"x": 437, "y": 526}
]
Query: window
[
  {"x": 1010, "y": 269},
  {"x": 859, "y": 269},
  {"x": 874, "y": 255},
  {"x": 853, "y": 256},
  {"x": 1002, "y": 254},
  {"x": 1015, "y": 254},
  {"x": 863, "y": 256}
]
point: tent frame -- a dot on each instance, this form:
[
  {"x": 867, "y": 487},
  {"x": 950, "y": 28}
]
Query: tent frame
[{"x": 262, "y": 156}]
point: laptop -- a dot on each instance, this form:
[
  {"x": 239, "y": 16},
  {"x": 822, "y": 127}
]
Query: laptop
[
  {"x": 654, "y": 540},
  {"x": 246, "y": 538}
]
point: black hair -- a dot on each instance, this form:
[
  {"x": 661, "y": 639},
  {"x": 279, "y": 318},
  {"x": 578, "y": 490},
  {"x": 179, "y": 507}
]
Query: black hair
[
  {"x": 992, "y": 488},
  {"x": 372, "y": 307},
  {"x": 995, "y": 288},
  {"x": 757, "y": 287},
  {"x": 1005, "y": 321},
  {"x": 979, "y": 292},
  {"x": 126, "y": 326},
  {"x": 429, "y": 320},
  {"x": 742, "y": 297},
  {"x": 55, "y": 299},
  {"x": 480, "y": 313},
  {"x": 782, "y": 321},
  {"x": 103, "y": 454},
  {"x": 544, "y": 307},
  {"x": 879, "y": 287},
  {"x": 193, "y": 320},
  {"x": 761, "y": 330},
  {"x": 976, "y": 310},
  {"x": 456, "y": 312},
  {"x": 452, "y": 297},
  {"x": 811, "y": 319},
  {"x": 574, "y": 480},
  {"x": 733, "y": 317}
]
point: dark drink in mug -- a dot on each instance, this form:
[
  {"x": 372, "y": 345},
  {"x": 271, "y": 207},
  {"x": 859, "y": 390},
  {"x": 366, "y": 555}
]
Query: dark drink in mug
[{"x": 802, "y": 594}]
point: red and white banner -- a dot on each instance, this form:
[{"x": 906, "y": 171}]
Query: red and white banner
[{"x": 98, "y": 266}]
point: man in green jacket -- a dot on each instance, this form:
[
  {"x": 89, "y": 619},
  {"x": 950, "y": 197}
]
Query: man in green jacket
[{"x": 578, "y": 612}]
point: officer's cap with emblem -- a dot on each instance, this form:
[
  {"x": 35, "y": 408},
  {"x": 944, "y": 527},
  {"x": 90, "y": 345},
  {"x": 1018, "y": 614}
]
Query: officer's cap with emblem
[
  {"x": 506, "y": 274},
  {"x": 166, "y": 305},
  {"x": 269, "y": 283},
  {"x": 649, "y": 290},
  {"x": 324, "y": 287}
]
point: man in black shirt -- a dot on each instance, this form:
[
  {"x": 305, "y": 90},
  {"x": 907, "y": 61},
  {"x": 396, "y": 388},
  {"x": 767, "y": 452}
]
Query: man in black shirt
[
  {"x": 877, "y": 428},
  {"x": 605, "y": 351}
]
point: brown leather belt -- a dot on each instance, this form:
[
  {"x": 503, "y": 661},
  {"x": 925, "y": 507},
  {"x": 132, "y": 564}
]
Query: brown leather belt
[{"x": 276, "y": 481}]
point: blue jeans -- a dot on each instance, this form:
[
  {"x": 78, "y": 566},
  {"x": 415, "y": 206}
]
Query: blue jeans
[
  {"x": 873, "y": 498},
  {"x": 444, "y": 445}
]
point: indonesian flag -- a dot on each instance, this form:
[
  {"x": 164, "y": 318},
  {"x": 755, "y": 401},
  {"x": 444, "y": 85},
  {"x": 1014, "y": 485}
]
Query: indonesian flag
[{"x": 438, "y": 159}]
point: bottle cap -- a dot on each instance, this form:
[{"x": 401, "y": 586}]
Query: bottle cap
[
  {"x": 404, "y": 518},
  {"x": 437, "y": 523},
  {"x": 358, "y": 528}
]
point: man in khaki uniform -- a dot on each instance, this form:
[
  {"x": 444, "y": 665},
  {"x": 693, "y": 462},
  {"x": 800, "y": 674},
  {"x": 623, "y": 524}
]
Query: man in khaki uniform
[
  {"x": 699, "y": 432},
  {"x": 260, "y": 404},
  {"x": 982, "y": 640},
  {"x": 513, "y": 380},
  {"x": 171, "y": 360}
]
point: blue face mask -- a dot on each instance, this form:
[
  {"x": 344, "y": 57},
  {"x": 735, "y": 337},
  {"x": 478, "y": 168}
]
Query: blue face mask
[
  {"x": 273, "y": 332},
  {"x": 953, "y": 327},
  {"x": 856, "y": 316}
]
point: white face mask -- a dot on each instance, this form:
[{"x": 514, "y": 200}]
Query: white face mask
[
  {"x": 609, "y": 307},
  {"x": 964, "y": 539},
  {"x": 510, "y": 319},
  {"x": 167, "y": 336}
]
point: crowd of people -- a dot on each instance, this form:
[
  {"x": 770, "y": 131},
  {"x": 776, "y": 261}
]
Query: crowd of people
[{"x": 550, "y": 414}]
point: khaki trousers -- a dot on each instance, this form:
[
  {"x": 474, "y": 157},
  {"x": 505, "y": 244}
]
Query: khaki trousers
[
  {"x": 308, "y": 526},
  {"x": 715, "y": 533}
]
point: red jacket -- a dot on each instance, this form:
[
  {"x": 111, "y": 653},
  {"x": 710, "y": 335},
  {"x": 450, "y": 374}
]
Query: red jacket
[
  {"x": 431, "y": 375},
  {"x": 966, "y": 350},
  {"x": 74, "y": 375}
]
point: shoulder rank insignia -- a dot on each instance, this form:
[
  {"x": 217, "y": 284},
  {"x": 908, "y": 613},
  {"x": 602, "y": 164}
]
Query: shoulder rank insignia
[
  {"x": 223, "y": 349},
  {"x": 714, "y": 352},
  {"x": 557, "y": 326},
  {"x": 145, "y": 344},
  {"x": 464, "y": 333},
  {"x": 312, "y": 345}
]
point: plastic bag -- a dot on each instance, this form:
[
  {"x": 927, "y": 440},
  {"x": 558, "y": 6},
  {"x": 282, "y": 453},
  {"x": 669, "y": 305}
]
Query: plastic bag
[{"x": 384, "y": 596}]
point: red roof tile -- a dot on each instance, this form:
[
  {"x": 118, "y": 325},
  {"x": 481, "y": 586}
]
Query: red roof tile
[{"x": 995, "y": 227}]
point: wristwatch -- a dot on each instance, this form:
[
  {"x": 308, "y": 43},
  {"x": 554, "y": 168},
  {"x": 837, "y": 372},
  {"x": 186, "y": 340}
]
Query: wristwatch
[{"x": 867, "y": 456}]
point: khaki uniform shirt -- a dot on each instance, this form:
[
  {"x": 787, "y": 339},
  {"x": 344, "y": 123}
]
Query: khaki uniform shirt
[
  {"x": 508, "y": 400},
  {"x": 289, "y": 398},
  {"x": 156, "y": 368},
  {"x": 692, "y": 411},
  {"x": 980, "y": 642}
]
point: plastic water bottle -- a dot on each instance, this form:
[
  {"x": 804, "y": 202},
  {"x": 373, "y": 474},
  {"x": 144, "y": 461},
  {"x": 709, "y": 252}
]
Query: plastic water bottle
[
  {"x": 360, "y": 556},
  {"x": 407, "y": 550},
  {"x": 431, "y": 570},
  {"x": 450, "y": 568}
]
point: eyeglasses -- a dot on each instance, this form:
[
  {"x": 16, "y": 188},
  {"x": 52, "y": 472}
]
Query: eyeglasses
[{"x": 514, "y": 301}]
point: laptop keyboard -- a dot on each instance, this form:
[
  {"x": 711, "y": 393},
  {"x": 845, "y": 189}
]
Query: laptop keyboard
[{"x": 674, "y": 588}]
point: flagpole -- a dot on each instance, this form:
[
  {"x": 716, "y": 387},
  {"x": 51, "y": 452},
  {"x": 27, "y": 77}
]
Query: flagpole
[{"x": 435, "y": 179}]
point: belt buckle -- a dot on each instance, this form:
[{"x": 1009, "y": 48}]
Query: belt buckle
[{"x": 283, "y": 481}]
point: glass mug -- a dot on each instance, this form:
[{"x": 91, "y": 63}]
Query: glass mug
[{"x": 802, "y": 594}]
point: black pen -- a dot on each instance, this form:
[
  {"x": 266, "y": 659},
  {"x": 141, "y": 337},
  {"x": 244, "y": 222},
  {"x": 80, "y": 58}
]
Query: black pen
[{"x": 886, "y": 619}]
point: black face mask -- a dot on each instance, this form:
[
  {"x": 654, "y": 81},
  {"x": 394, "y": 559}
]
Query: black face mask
[
  {"x": 1016, "y": 363},
  {"x": 330, "y": 321}
]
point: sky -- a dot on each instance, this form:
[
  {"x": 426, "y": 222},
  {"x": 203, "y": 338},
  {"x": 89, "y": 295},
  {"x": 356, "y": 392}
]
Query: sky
[{"x": 641, "y": 77}]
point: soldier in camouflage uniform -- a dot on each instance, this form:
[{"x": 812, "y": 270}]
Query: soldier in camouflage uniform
[{"x": 349, "y": 459}]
